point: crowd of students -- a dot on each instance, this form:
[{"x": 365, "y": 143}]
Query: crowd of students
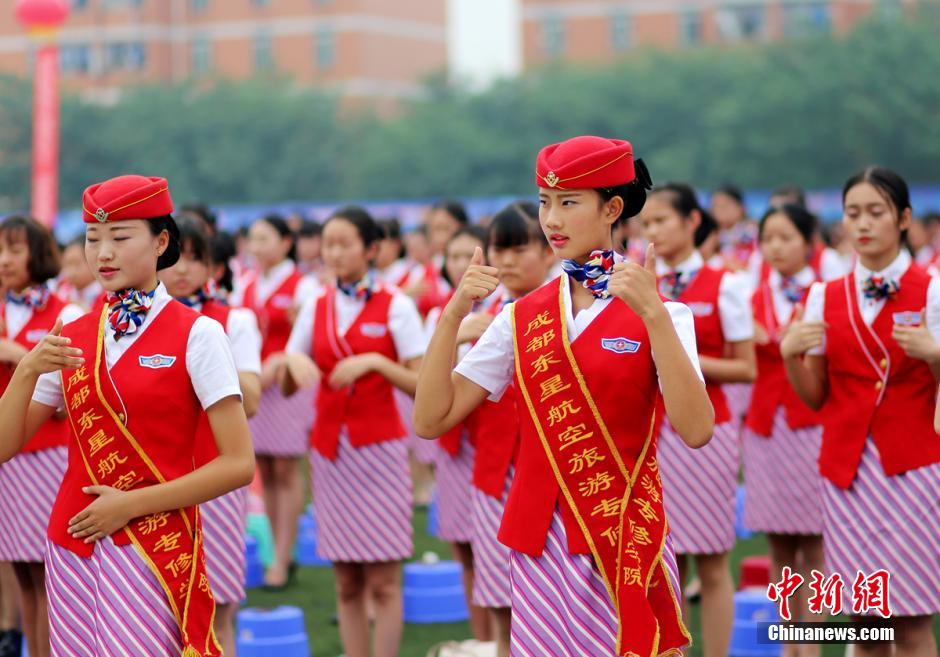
[{"x": 584, "y": 381}]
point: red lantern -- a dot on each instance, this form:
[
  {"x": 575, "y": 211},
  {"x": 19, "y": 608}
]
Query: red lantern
[{"x": 42, "y": 14}]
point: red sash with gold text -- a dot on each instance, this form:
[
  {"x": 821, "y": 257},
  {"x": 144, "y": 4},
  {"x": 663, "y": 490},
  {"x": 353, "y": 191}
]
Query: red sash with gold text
[
  {"x": 169, "y": 542},
  {"x": 616, "y": 498}
]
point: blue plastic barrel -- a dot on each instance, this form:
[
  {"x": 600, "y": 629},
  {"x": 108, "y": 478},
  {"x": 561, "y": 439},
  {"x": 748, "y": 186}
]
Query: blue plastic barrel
[
  {"x": 266, "y": 632},
  {"x": 751, "y": 607},
  {"x": 433, "y": 593},
  {"x": 740, "y": 530},
  {"x": 254, "y": 569}
]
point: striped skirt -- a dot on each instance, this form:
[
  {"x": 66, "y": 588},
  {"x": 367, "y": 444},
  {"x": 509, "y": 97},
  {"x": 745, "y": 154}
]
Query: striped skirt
[
  {"x": 783, "y": 487},
  {"x": 491, "y": 586},
  {"x": 223, "y": 533},
  {"x": 29, "y": 484},
  {"x": 362, "y": 502},
  {"x": 699, "y": 489},
  {"x": 454, "y": 483},
  {"x": 282, "y": 424},
  {"x": 891, "y": 523},
  {"x": 110, "y": 604},
  {"x": 739, "y": 400},
  {"x": 423, "y": 451},
  {"x": 560, "y": 607}
]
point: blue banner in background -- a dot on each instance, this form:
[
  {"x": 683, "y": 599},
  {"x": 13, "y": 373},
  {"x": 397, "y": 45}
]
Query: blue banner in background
[{"x": 827, "y": 204}]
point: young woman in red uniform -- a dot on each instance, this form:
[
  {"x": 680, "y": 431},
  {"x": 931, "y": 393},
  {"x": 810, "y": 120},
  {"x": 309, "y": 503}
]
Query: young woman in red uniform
[
  {"x": 782, "y": 435},
  {"x": 700, "y": 485},
  {"x": 418, "y": 271},
  {"x": 517, "y": 247},
  {"x": 223, "y": 519},
  {"x": 430, "y": 289},
  {"x": 455, "y": 450},
  {"x": 366, "y": 340},
  {"x": 866, "y": 352},
  {"x": 77, "y": 282},
  {"x": 737, "y": 234},
  {"x": 29, "y": 260},
  {"x": 274, "y": 293},
  {"x": 391, "y": 266},
  {"x": 590, "y": 576},
  {"x": 125, "y": 568}
]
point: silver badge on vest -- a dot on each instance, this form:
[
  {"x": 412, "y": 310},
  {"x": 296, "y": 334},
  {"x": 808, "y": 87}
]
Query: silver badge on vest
[
  {"x": 620, "y": 345},
  {"x": 157, "y": 361}
]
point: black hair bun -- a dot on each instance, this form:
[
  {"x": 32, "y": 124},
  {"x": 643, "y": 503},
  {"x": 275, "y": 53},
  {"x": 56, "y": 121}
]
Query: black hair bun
[
  {"x": 172, "y": 253},
  {"x": 643, "y": 177}
]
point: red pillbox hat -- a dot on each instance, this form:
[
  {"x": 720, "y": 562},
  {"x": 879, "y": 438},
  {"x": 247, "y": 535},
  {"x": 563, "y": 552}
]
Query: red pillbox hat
[
  {"x": 127, "y": 197},
  {"x": 585, "y": 163}
]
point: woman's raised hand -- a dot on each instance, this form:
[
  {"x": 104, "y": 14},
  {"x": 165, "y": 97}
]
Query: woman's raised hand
[
  {"x": 53, "y": 353},
  {"x": 635, "y": 285},
  {"x": 801, "y": 335},
  {"x": 477, "y": 283}
]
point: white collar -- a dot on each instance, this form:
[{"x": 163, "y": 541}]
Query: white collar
[
  {"x": 805, "y": 277},
  {"x": 160, "y": 293},
  {"x": 894, "y": 271},
  {"x": 691, "y": 264},
  {"x": 279, "y": 271}
]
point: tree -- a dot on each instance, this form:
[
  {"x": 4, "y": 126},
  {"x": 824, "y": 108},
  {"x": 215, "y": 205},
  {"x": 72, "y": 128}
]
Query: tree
[{"x": 806, "y": 112}]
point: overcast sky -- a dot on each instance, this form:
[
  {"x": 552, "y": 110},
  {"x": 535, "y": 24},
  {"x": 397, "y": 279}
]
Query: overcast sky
[{"x": 483, "y": 39}]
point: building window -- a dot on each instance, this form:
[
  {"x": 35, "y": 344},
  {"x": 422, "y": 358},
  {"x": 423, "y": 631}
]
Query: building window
[
  {"x": 79, "y": 4},
  {"x": 742, "y": 23},
  {"x": 690, "y": 26},
  {"x": 325, "y": 48},
  {"x": 199, "y": 5},
  {"x": 260, "y": 3},
  {"x": 202, "y": 55},
  {"x": 75, "y": 59},
  {"x": 553, "y": 35},
  {"x": 621, "y": 31},
  {"x": 807, "y": 19},
  {"x": 121, "y": 4},
  {"x": 125, "y": 57},
  {"x": 264, "y": 57}
]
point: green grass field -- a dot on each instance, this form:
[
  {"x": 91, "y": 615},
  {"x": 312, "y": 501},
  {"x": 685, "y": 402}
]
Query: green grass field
[{"x": 313, "y": 592}]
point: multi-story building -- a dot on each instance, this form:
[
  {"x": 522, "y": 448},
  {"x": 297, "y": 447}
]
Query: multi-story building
[
  {"x": 604, "y": 30},
  {"x": 363, "y": 48}
]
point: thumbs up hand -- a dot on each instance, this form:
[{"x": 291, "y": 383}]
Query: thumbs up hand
[
  {"x": 636, "y": 285},
  {"x": 477, "y": 283},
  {"x": 52, "y": 353},
  {"x": 917, "y": 341},
  {"x": 650, "y": 263},
  {"x": 801, "y": 335}
]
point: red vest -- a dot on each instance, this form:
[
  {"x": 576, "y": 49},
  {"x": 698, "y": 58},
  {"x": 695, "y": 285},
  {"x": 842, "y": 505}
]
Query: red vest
[
  {"x": 273, "y": 319},
  {"x": 701, "y": 296},
  {"x": 625, "y": 391},
  {"x": 159, "y": 403},
  {"x": 771, "y": 388},
  {"x": 366, "y": 408},
  {"x": 874, "y": 388},
  {"x": 206, "y": 449},
  {"x": 437, "y": 292},
  {"x": 452, "y": 441},
  {"x": 53, "y": 432},
  {"x": 496, "y": 437},
  {"x": 495, "y": 434}
]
